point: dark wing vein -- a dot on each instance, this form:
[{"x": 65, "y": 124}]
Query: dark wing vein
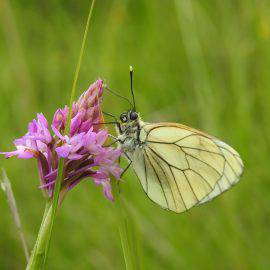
[
  {"x": 234, "y": 154},
  {"x": 159, "y": 142},
  {"x": 198, "y": 173},
  {"x": 179, "y": 191},
  {"x": 232, "y": 169},
  {"x": 165, "y": 176},
  {"x": 229, "y": 162},
  {"x": 223, "y": 173},
  {"x": 164, "y": 159},
  {"x": 203, "y": 178},
  {"x": 187, "y": 136},
  {"x": 227, "y": 179},
  {"x": 203, "y": 150},
  {"x": 191, "y": 186},
  {"x": 219, "y": 185},
  {"x": 171, "y": 166},
  {"x": 202, "y": 162},
  {"x": 145, "y": 171},
  {"x": 157, "y": 178},
  {"x": 194, "y": 134},
  {"x": 149, "y": 131}
]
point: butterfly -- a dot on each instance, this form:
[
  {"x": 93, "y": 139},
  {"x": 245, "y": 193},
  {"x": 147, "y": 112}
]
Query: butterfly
[{"x": 178, "y": 167}]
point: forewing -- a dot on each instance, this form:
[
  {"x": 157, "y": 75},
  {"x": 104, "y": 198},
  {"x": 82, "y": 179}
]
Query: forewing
[{"x": 180, "y": 167}]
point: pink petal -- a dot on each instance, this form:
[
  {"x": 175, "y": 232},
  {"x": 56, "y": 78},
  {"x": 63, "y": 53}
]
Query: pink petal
[
  {"x": 63, "y": 151},
  {"x": 75, "y": 156},
  {"x": 57, "y": 133},
  {"x": 107, "y": 190}
]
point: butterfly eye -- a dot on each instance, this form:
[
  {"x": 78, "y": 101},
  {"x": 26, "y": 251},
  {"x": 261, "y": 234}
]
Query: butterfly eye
[
  {"x": 133, "y": 115},
  {"x": 123, "y": 117}
]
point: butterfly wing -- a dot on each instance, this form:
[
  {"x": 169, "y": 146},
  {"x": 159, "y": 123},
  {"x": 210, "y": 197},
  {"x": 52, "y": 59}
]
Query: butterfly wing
[{"x": 180, "y": 167}]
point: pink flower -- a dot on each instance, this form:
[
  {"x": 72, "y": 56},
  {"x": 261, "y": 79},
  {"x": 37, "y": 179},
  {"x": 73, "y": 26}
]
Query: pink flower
[
  {"x": 85, "y": 111},
  {"x": 83, "y": 148}
]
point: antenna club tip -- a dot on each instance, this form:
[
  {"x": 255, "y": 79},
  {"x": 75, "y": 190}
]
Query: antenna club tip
[{"x": 130, "y": 68}]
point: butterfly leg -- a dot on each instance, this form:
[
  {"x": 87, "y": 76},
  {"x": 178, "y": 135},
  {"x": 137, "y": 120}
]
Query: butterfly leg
[
  {"x": 130, "y": 162},
  {"x": 111, "y": 136},
  {"x": 126, "y": 169},
  {"x": 112, "y": 143},
  {"x": 115, "y": 122}
]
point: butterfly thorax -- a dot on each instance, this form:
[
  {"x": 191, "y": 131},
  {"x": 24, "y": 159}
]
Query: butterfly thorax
[{"x": 129, "y": 135}]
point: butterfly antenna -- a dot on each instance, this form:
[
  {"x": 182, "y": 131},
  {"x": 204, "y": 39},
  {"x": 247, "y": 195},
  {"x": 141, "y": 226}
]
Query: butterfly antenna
[
  {"x": 131, "y": 86},
  {"x": 111, "y": 115},
  {"x": 117, "y": 95}
]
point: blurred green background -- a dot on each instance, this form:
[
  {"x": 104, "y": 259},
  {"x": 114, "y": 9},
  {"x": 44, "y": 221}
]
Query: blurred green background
[{"x": 202, "y": 63}]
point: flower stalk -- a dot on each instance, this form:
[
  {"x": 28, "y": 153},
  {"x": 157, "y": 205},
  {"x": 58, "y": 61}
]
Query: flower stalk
[
  {"x": 37, "y": 258},
  {"x": 38, "y": 255},
  {"x": 51, "y": 214},
  {"x": 126, "y": 229},
  {"x": 44, "y": 237}
]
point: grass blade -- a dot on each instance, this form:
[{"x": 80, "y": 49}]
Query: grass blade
[
  {"x": 6, "y": 186},
  {"x": 61, "y": 162}
]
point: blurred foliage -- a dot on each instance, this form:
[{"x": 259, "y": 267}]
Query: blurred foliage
[{"x": 202, "y": 63}]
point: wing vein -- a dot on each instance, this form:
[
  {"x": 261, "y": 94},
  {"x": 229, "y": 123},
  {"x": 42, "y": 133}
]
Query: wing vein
[
  {"x": 165, "y": 176},
  {"x": 164, "y": 159},
  {"x": 191, "y": 187},
  {"x": 234, "y": 154},
  {"x": 203, "y": 162},
  {"x": 158, "y": 179},
  {"x": 145, "y": 171},
  {"x": 202, "y": 178},
  {"x": 179, "y": 191},
  {"x": 199, "y": 149}
]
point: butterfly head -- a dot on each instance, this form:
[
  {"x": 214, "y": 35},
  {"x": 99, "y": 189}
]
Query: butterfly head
[
  {"x": 130, "y": 123},
  {"x": 129, "y": 117}
]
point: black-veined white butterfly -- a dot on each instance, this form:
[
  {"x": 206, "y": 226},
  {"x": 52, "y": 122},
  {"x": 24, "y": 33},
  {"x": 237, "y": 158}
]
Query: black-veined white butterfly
[{"x": 178, "y": 167}]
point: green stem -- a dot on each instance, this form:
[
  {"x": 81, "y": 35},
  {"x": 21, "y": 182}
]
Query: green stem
[
  {"x": 78, "y": 67},
  {"x": 54, "y": 206},
  {"x": 40, "y": 252},
  {"x": 123, "y": 232},
  {"x": 57, "y": 188},
  {"x": 36, "y": 260},
  {"x": 126, "y": 228}
]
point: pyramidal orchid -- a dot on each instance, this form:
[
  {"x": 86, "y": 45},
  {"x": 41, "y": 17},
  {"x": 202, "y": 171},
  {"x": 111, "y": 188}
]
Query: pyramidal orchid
[{"x": 83, "y": 149}]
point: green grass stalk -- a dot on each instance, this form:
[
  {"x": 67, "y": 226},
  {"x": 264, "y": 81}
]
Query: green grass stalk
[
  {"x": 6, "y": 186},
  {"x": 36, "y": 260},
  {"x": 41, "y": 249},
  {"x": 127, "y": 232}
]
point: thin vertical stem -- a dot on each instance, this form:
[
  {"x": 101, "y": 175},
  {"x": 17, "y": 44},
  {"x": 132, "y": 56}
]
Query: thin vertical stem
[
  {"x": 78, "y": 67},
  {"x": 67, "y": 129},
  {"x": 40, "y": 252},
  {"x": 126, "y": 228},
  {"x": 6, "y": 186},
  {"x": 123, "y": 232},
  {"x": 36, "y": 260}
]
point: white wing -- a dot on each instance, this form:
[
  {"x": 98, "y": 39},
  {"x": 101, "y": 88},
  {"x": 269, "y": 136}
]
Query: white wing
[{"x": 180, "y": 167}]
